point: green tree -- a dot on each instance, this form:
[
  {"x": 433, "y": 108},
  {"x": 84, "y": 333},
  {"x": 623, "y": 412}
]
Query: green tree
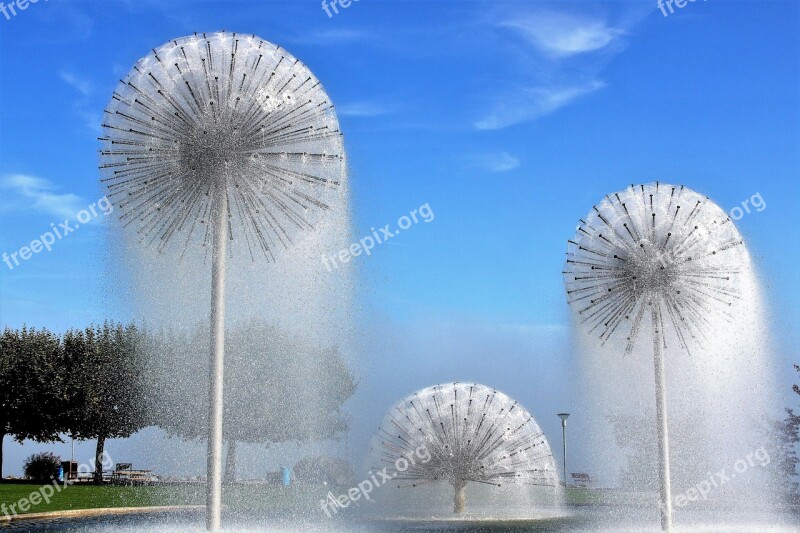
[
  {"x": 788, "y": 431},
  {"x": 107, "y": 395},
  {"x": 278, "y": 387},
  {"x": 30, "y": 386}
]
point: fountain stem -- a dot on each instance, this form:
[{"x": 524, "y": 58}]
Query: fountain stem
[
  {"x": 663, "y": 431},
  {"x": 459, "y": 500},
  {"x": 219, "y": 260}
]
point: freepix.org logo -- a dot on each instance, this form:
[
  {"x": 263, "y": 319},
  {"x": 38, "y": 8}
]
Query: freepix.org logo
[
  {"x": 57, "y": 232},
  {"x": 376, "y": 479},
  {"x": 45, "y": 493},
  {"x": 12, "y": 7},
  {"x": 423, "y": 213}
]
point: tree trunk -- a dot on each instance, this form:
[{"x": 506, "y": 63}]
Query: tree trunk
[
  {"x": 459, "y": 500},
  {"x": 2, "y": 438},
  {"x": 230, "y": 463},
  {"x": 98, "y": 460}
]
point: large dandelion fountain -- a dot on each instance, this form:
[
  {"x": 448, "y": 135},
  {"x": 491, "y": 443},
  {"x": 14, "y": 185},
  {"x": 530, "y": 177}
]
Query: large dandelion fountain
[
  {"x": 661, "y": 254},
  {"x": 472, "y": 433},
  {"x": 218, "y": 138}
]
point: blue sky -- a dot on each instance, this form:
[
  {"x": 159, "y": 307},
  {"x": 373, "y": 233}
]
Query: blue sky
[{"x": 510, "y": 119}]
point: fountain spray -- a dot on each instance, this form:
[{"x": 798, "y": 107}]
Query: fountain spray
[
  {"x": 473, "y": 433},
  {"x": 658, "y": 251},
  {"x": 219, "y": 138}
]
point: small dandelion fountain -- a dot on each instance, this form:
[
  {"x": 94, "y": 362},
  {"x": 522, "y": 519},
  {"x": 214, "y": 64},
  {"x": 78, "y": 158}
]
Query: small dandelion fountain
[
  {"x": 661, "y": 252},
  {"x": 473, "y": 433},
  {"x": 218, "y": 138}
]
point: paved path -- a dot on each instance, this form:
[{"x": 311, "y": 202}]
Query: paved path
[{"x": 107, "y": 511}]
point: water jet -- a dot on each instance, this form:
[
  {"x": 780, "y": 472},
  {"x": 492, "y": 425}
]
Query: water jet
[
  {"x": 473, "y": 434},
  {"x": 216, "y": 138},
  {"x": 658, "y": 250}
]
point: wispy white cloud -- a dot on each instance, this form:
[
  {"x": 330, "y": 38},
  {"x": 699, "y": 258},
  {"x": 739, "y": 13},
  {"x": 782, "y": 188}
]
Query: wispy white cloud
[
  {"x": 562, "y": 35},
  {"x": 497, "y": 162},
  {"x": 25, "y": 191},
  {"x": 564, "y": 54},
  {"x": 81, "y": 106},
  {"x": 364, "y": 109},
  {"x": 81, "y": 85},
  {"x": 91, "y": 119},
  {"x": 533, "y": 103}
]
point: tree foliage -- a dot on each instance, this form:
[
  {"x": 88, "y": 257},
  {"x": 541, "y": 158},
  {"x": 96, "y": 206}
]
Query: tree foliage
[
  {"x": 31, "y": 386},
  {"x": 788, "y": 431},
  {"x": 278, "y": 387},
  {"x": 111, "y": 380},
  {"x": 87, "y": 383},
  {"x": 107, "y": 396}
]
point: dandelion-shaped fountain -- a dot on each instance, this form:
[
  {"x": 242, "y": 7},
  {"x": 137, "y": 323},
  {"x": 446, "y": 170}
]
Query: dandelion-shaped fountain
[
  {"x": 658, "y": 250},
  {"x": 473, "y": 433},
  {"x": 214, "y": 138}
]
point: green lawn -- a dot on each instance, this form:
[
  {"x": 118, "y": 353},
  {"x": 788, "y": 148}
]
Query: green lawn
[
  {"x": 275, "y": 498},
  {"x": 90, "y": 497},
  {"x": 610, "y": 497},
  {"x": 247, "y": 497}
]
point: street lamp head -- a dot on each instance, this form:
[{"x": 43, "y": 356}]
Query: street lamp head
[{"x": 563, "y": 416}]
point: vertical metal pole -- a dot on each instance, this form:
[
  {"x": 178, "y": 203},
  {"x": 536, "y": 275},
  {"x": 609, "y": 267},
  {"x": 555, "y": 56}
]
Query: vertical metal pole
[
  {"x": 72, "y": 460},
  {"x": 663, "y": 432},
  {"x": 214, "y": 467},
  {"x": 564, "y": 441},
  {"x": 459, "y": 499}
]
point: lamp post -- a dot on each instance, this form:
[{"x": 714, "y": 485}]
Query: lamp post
[
  {"x": 72, "y": 460},
  {"x": 563, "y": 417}
]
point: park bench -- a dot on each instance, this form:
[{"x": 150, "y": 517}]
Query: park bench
[
  {"x": 124, "y": 474},
  {"x": 581, "y": 479}
]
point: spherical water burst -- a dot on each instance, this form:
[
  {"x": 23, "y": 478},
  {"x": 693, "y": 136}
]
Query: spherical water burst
[
  {"x": 654, "y": 247},
  {"x": 472, "y": 433},
  {"x": 217, "y": 137},
  {"x": 221, "y": 110},
  {"x": 662, "y": 250}
]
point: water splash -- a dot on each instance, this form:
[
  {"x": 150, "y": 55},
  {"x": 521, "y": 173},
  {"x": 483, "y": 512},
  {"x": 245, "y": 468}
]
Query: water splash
[
  {"x": 473, "y": 434},
  {"x": 233, "y": 109},
  {"x": 221, "y": 107},
  {"x": 659, "y": 248},
  {"x": 720, "y": 376}
]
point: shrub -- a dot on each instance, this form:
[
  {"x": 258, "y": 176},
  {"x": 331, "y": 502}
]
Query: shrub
[{"x": 42, "y": 466}]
